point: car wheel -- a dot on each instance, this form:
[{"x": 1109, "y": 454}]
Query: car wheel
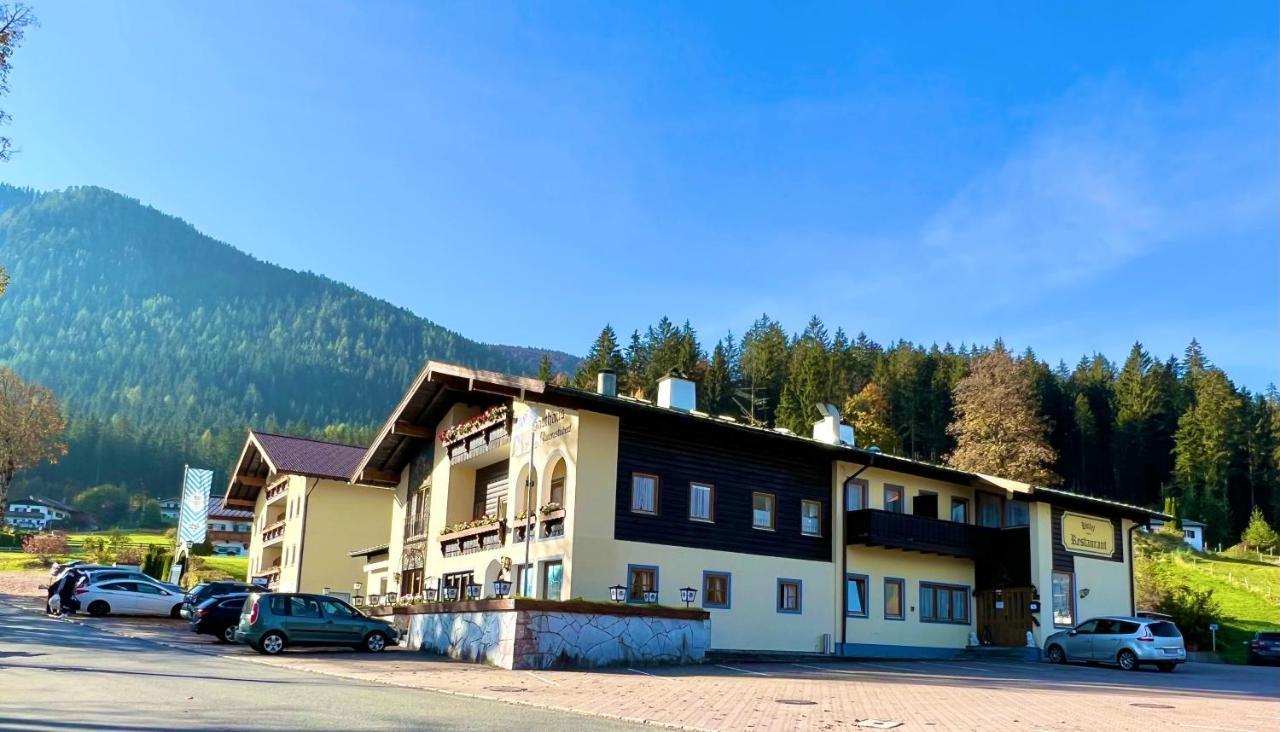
[
  {"x": 228, "y": 634},
  {"x": 1166, "y": 667},
  {"x": 1127, "y": 659},
  {"x": 1057, "y": 655},
  {"x": 375, "y": 643},
  {"x": 271, "y": 644},
  {"x": 176, "y": 612},
  {"x": 98, "y": 608}
]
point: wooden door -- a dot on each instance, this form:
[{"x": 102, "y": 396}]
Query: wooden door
[{"x": 1004, "y": 617}]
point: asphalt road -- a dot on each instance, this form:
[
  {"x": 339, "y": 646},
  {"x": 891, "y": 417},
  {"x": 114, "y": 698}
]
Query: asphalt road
[{"x": 56, "y": 675}]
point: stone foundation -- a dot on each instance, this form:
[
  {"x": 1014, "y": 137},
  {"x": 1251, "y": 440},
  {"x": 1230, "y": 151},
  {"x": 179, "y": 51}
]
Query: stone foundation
[{"x": 538, "y": 634}]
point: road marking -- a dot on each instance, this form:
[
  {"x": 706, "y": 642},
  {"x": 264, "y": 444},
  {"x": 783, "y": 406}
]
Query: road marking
[
  {"x": 545, "y": 681},
  {"x": 646, "y": 673},
  {"x": 740, "y": 670}
]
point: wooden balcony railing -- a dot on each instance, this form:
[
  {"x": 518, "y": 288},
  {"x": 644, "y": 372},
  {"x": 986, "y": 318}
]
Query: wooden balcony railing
[
  {"x": 483, "y": 439},
  {"x": 277, "y": 490},
  {"x": 476, "y": 539},
  {"x": 874, "y": 527},
  {"x": 273, "y": 531}
]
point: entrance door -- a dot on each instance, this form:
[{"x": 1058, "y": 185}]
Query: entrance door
[{"x": 1005, "y": 617}]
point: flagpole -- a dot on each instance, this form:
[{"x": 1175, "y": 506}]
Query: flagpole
[{"x": 528, "y": 502}]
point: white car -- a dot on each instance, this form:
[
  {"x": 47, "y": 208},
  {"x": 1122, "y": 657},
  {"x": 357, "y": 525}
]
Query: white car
[{"x": 129, "y": 597}]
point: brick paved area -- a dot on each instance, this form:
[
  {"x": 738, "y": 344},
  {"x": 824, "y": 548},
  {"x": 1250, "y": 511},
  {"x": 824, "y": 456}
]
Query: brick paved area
[{"x": 922, "y": 695}]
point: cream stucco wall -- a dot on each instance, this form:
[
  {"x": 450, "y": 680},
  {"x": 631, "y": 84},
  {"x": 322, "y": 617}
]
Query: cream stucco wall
[
  {"x": 912, "y": 567},
  {"x": 338, "y": 517},
  {"x": 1041, "y": 545},
  {"x": 1110, "y": 592}
]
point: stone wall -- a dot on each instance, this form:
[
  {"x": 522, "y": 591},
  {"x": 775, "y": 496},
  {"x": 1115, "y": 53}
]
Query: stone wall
[{"x": 539, "y": 638}]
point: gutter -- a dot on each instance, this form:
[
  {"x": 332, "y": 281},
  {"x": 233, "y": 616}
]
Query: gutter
[
  {"x": 302, "y": 541},
  {"x": 844, "y": 560}
]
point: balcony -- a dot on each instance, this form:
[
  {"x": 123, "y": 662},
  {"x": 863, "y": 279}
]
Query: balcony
[
  {"x": 474, "y": 539},
  {"x": 273, "y": 533},
  {"x": 277, "y": 491},
  {"x": 233, "y": 536},
  {"x": 874, "y": 527},
  {"x": 488, "y": 431}
]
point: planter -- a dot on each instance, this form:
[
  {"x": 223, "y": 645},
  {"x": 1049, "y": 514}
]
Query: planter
[
  {"x": 485, "y": 438},
  {"x": 552, "y": 515},
  {"x": 475, "y": 539}
]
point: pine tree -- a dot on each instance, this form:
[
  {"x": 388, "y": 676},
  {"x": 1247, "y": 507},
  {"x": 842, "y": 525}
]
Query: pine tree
[
  {"x": 603, "y": 355},
  {"x": 716, "y": 394},
  {"x": 998, "y": 429},
  {"x": 808, "y": 381},
  {"x": 544, "y": 368},
  {"x": 1204, "y": 447},
  {"x": 1258, "y": 535},
  {"x": 763, "y": 365}
]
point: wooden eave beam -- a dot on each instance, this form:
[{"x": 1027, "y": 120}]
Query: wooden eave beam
[
  {"x": 252, "y": 481},
  {"x": 409, "y": 429},
  {"x": 379, "y": 476},
  {"x": 241, "y": 502}
]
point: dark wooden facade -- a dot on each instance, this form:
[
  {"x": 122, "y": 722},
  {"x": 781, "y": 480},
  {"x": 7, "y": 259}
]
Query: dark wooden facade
[{"x": 680, "y": 452}]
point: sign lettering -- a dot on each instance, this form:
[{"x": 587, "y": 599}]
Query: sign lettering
[{"x": 1088, "y": 535}]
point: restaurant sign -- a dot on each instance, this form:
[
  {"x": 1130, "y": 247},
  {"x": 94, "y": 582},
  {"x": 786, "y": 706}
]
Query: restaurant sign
[{"x": 1087, "y": 535}]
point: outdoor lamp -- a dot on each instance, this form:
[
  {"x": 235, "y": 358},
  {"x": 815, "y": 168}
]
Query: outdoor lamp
[
  {"x": 473, "y": 591},
  {"x": 356, "y": 586},
  {"x": 450, "y": 593},
  {"x": 390, "y": 598},
  {"x": 617, "y": 593},
  {"x": 687, "y": 595},
  {"x": 1084, "y": 593},
  {"x": 325, "y": 591},
  {"x": 501, "y": 587},
  {"x": 431, "y": 594},
  {"x": 650, "y": 596}
]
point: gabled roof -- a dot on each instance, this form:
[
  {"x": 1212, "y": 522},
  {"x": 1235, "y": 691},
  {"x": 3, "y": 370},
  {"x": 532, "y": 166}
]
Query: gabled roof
[
  {"x": 41, "y": 501},
  {"x": 221, "y": 512},
  {"x": 267, "y": 453}
]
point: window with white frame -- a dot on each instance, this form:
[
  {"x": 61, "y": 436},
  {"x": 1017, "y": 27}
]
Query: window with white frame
[
  {"x": 1063, "y": 599},
  {"x": 811, "y": 518},
  {"x": 762, "y": 514},
  {"x": 702, "y": 502},
  {"x": 644, "y": 493}
]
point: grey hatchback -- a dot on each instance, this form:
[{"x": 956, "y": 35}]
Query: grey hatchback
[
  {"x": 1125, "y": 641},
  {"x": 271, "y": 621}
]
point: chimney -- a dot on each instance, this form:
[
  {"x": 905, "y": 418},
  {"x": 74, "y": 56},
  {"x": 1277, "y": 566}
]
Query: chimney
[
  {"x": 677, "y": 392},
  {"x": 607, "y": 382},
  {"x": 827, "y": 429}
]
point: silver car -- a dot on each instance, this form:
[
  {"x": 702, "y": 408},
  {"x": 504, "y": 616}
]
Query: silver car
[{"x": 1126, "y": 641}]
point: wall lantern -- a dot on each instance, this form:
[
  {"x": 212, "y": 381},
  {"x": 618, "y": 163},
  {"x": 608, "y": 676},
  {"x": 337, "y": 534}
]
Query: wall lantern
[
  {"x": 650, "y": 596},
  {"x": 501, "y": 587},
  {"x": 325, "y": 591},
  {"x": 617, "y": 593},
  {"x": 450, "y": 593},
  {"x": 390, "y": 598},
  {"x": 430, "y": 592},
  {"x": 473, "y": 591},
  {"x": 1084, "y": 593},
  {"x": 356, "y": 587},
  {"x": 687, "y": 595}
]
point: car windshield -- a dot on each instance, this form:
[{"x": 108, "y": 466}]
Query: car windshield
[
  {"x": 1164, "y": 630},
  {"x": 1269, "y": 636},
  {"x": 196, "y": 590}
]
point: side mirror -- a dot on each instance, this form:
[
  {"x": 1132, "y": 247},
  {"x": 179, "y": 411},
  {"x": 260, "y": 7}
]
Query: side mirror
[{"x": 1072, "y": 632}]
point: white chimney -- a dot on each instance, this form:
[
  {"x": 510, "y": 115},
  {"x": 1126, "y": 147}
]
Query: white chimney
[
  {"x": 607, "y": 382},
  {"x": 827, "y": 430},
  {"x": 677, "y": 392}
]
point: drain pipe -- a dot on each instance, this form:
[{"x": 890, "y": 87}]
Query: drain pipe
[{"x": 844, "y": 561}]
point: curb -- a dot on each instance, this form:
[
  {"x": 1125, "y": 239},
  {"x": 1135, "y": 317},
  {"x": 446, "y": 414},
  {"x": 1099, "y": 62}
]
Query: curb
[{"x": 332, "y": 674}]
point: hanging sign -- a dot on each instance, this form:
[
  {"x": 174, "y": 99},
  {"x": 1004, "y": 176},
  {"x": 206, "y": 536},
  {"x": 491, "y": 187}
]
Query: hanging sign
[
  {"x": 193, "y": 520},
  {"x": 1087, "y": 535}
]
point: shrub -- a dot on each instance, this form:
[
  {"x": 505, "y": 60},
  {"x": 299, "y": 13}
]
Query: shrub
[
  {"x": 95, "y": 547},
  {"x": 1192, "y": 610},
  {"x": 129, "y": 555},
  {"x": 45, "y": 546},
  {"x": 203, "y": 549}
]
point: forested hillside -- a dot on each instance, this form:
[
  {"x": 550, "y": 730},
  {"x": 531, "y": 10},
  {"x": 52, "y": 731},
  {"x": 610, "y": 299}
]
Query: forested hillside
[
  {"x": 165, "y": 344},
  {"x": 1141, "y": 431}
]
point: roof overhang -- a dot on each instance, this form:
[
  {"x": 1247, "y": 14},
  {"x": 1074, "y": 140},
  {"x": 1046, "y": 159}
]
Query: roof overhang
[
  {"x": 435, "y": 389},
  {"x": 249, "y": 475}
]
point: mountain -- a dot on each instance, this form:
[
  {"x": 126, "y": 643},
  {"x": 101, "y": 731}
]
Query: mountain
[{"x": 164, "y": 344}]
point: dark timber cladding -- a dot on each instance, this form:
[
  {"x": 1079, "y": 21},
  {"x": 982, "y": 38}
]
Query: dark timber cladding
[{"x": 680, "y": 451}]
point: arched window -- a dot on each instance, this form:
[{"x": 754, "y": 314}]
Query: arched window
[
  {"x": 555, "y": 492},
  {"x": 523, "y": 487}
]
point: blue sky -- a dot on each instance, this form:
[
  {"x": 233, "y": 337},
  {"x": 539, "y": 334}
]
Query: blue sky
[{"x": 1069, "y": 176}]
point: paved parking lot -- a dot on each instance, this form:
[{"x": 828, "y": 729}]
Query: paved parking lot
[{"x": 921, "y": 695}]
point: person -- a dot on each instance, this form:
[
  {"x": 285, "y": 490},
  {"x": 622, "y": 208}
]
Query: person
[
  {"x": 53, "y": 591},
  {"x": 67, "y": 592}
]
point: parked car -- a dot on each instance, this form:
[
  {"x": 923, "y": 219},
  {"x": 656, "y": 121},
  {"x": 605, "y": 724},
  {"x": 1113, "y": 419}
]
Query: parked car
[
  {"x": 206, "y": 590},
  {"x": 59, "y": 567},
  {"x": 128, "y": 596},
  {"x": 1264, "y": 648},
  {"x": 271, "y": 621},
  {"x": 218, "y": 616},
  {"x": 1154, "y": 615},
  {"x": 101, "y": 573},
  {"x": 1128, "y": 642}
]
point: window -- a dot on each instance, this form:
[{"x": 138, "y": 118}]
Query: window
[
  {"x": 811, "y": 518},
  {"x": 524, "y": 580},
  {"x": 1190, "y": 533},
  {"x": 894, "y": 589},
  {"x": 555, "y": 493},
  {"x": 855, "y": 595},
  {"x": 762, "y": 511},
  {"x": 147, "y": 589},
  {"x": 552, "y": 579},
  {"x": 960, "y": 510},
  {"x": 925, "y": 503},
  {"x": 1063, "y": 598},
  {"x": 715, "y": 590},
  {"x": 855, "y": 494},
  {"x": 789, "y": 595},
  {"x": 894, "y": 498},
  {"x": 640, "y": 579},
  {"x": 303, "y": 607},
  {"x": 989, "y": 510},
  {"x": 335, "y": 609},
  {"x": 702, "y": 499},
  {"x": 1017, "y": 513},
  {"x": 644, "y": 494},
  {"x": 944, "y": 603}
]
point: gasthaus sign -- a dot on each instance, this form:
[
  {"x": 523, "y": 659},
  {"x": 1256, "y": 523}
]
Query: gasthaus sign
[{"x": 1087, "y": 535}]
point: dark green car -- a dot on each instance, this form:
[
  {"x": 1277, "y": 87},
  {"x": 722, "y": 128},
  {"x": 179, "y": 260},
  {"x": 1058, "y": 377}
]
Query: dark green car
[{"x": 271, "y": 621}]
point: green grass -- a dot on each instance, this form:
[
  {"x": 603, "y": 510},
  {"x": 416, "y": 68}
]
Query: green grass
[
  {"x": 234, "y": 567},
  {"x": 1248, "y": 591},
  {"x": 132, "y": 537}
]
